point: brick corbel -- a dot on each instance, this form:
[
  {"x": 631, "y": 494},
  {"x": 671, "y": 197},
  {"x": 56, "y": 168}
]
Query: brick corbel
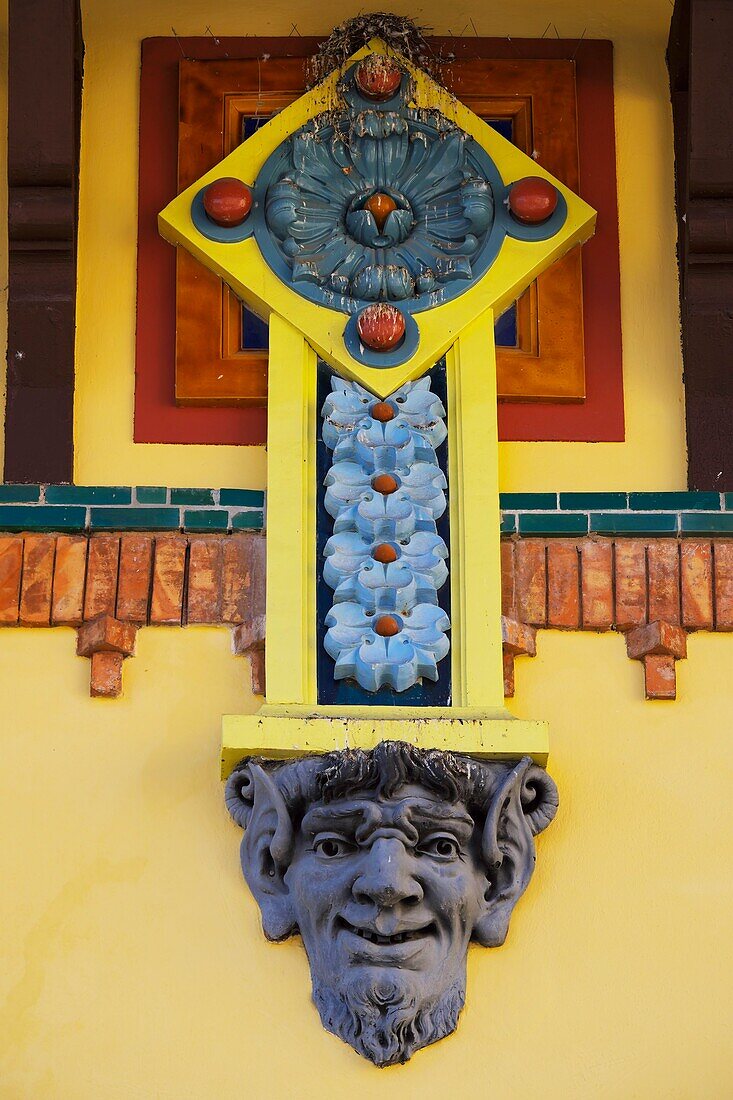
[
  {"x": 517, "y": 639},
  {"x": 658, "y": 646},
  {"x": 249, "y": 641},
  {"x": 108, "y": 642}
]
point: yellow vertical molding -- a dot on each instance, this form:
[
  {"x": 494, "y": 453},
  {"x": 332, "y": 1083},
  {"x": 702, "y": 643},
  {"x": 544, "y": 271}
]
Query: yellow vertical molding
[
  {"x": 475, "y": 556},
  {"x": 291, "y": 517}
]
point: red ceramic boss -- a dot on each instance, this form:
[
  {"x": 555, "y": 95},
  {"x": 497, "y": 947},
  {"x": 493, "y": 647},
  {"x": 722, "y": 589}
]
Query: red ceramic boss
[
  {"x": 380, "y": 326},
  {"x": 227, "y": 201},
  {"x": 532, "y": 200},
  {"x": 378, "y": 77}
]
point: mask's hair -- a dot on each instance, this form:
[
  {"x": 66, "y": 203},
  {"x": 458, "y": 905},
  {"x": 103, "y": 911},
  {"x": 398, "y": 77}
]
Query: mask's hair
[
  {"x": 393, "y": 764},
  {"x": 383, "y": 771}
]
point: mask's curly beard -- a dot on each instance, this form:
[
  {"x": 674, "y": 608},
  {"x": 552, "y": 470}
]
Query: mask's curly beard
[{"x": 382, "y": 1020}]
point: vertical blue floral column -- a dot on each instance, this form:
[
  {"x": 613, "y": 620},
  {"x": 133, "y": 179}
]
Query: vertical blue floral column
[{"x": 385, "y": 560}]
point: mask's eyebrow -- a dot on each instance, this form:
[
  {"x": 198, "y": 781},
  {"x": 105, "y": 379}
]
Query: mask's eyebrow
[
  {"x": 428, "y": 818},
  {"x": 342, "y": 818}
]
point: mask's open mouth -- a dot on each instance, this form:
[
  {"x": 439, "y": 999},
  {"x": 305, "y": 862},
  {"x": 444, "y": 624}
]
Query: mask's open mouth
[{"x": 407, "y": 936}]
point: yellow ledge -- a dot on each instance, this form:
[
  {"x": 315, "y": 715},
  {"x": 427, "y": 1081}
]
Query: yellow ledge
[{"x": 281, "y": 732}]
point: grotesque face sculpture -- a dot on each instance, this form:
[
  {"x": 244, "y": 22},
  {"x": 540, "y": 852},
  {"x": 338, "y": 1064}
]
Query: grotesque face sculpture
[{"x": 389, "y": 863}]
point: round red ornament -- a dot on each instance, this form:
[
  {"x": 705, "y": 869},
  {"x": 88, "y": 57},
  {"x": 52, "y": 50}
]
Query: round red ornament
[
  {"x": 532, "y": 200},
  {"x": 384, "y": 553},
  {"x": 380, "y": 327},
  {"x": 380, "y": 206},
  {"x": 378, "y": 77},
  {"x": 385, "y": 484},
  {"x": 227, "y": 201},
  {"x": 382, "y": 411},
  {"x": 387, "y": 626}
]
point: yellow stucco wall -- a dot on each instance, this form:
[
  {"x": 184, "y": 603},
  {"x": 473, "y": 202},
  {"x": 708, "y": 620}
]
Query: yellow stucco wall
[
  {"x": 131, "y": 961},
  {"x": 653, "y": 456},
  {"x": 133, "y": 965}
]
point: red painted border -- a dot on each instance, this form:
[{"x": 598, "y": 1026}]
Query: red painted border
[{"x": 600, "y": 418}]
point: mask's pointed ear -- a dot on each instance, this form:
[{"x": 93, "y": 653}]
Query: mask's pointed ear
[
  {"x": 522, "y": 805},
  {"x": 255, "y": 802}
]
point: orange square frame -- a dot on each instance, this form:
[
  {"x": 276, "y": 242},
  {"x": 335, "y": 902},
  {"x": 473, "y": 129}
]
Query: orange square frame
[
  {"x": 158, "y": 418},
  {"x": 211, "y": 365}
]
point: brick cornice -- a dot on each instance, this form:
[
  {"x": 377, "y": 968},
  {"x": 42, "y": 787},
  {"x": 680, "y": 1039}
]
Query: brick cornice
[
  {"x": 653, "y": 590},
  {"x": 108, "y": 585}
]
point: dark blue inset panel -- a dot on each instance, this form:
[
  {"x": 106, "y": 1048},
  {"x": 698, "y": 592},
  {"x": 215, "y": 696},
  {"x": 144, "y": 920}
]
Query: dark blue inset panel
[
  {"x": 255, "y": 332},
  {"x": 503, "y": 126},
  {"x": 427, "y": 693},
  {"x": 252, "y": 123},
  {"x": 505, "y": 329}
]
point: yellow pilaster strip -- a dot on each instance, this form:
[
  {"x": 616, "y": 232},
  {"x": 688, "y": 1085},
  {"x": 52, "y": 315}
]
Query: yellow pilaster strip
[
  {"x": 291, "y": 517},
  {"x": 475, "y": 562}
]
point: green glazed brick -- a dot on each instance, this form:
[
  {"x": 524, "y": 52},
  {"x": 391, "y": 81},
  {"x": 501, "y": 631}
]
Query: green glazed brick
[
  {"x": 729, "y": 501},
  {"x": 586, "y": 502},
  {"x": 151, "y": 494},
  {"x": 19, "y": 494},
  {"x": 710, "y": 523},
  {"x": 508, "y": 524},
  {"x": 88, "y": 494},
  {"x": 242, "y": 520},
  {"x": 40, "y": 517},
  {"x": 135, "y": 519},
  {"x": 192, "y": 496},
  {"x": 556, "y": 523},
  {"x": 210, "y": 519},
  {"x": 528, "y": 501},
  {"x": 633, "y": 523},
  {"x": 242, "y": 498},
  {"x": 674, "y": 502}
]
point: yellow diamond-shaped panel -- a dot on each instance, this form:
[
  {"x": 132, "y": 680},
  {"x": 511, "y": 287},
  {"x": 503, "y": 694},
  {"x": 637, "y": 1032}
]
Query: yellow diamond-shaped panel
[{"x": 242, "y": 266}]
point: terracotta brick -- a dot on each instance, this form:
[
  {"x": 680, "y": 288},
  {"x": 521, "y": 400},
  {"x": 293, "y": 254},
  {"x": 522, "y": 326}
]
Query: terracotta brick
[
  {"x": 106, "y": 635},
  {"x": 563, "y": 584},
  {"x": 696, "y": 576},
  {"x": 11, "y": 565},
  {"x": 257, "y": 669},
  {"x": 37, "y": 580},
  {"x": 596, "y": 584},
  {"x": 69, "y": 574},
  {"x": 663, "y": 567},
  {"x": 630, "y": 569},
  {"x": 531, "y": 581},
  {"x": 508, "y": 661},
  {"x": 723, "y": 570},
  {"x": 106, "y": 675},
  {"x": 236, "y": 580},
  {"x": 133, "y": 589},
  {"x": 102, "y": 568},
  {"x": 508, "y": 580},
  {"x": 660, "y": 677},
  {"x": 656, "y": 638},
  {"x": 204, "y": 581},
  {"x": 258, "y": 579},
  {"x": 517, "y": 637},
  {"x": 166, "y": 604}
]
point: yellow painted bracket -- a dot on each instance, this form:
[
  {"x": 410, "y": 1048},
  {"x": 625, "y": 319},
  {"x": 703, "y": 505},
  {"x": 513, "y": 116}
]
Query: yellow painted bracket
[
  {"x": 282, "y": 732},
  {"x": 292, "y": 722}
]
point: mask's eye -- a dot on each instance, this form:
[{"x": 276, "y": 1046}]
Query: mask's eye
[
  {"x": 330, "y": 847},
  {"x": 440, "y": 846}
]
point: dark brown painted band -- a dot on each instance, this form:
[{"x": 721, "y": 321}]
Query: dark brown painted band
[
  {"x": 698, "y": 57},
  {"x": 46, "y": 53}
]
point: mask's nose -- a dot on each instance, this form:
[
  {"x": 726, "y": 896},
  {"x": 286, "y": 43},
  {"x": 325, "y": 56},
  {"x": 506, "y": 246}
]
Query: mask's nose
[{"x": 387, "y": 876}]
